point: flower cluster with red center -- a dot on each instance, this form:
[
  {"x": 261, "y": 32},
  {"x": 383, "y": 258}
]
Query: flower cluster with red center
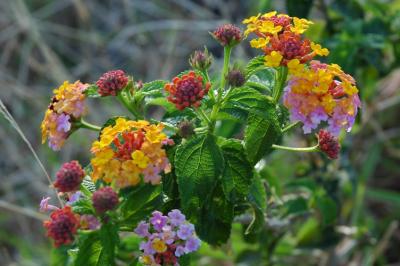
[
  {"x": 62, "y": 226},
  {"x": 281, "y": 39},
  {"x": 69, "y": 177},
  {"x": 104, "y": 199},
  {"x": 228, "y": 34},
  {"x": 328, "y": 144},
  {"x": 111, "y": 82},
  {"x": 187, "y": 91},
  {"x": 131, "y": 141}
]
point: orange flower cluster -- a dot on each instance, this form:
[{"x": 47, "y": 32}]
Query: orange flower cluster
[
  {"x": 128, "y": 151},
  {"x": 280, "y": 37}
]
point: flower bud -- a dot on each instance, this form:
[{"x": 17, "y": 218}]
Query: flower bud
[
  {"x": 235, "y": 78},
  {"x": 228, "y": 35},
  {"x": 69, "y": 177},
  {"x": 104, "y": 199},
  {"x": 186, "y": 129},
  {"x": 328, "y": 144},
  {"x": 200, "y": 60},
  {"x": 111, "y": 82}
]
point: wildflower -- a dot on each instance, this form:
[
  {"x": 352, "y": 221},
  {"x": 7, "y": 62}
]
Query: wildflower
[
  {"x": 228, "y": 35},
  {"x": 89, "y": 222},
  {"x": 74, "y": 197},
  {"x": 105, "y": 199},
  {"x": 128, "y": 150},
  {"x": 280, "y": 38},
  {"x": 328, "y": 144},
  {"x": 322, "y": 93},
  {"x": 166, "y": 238},
  {"x": 200, "y": 60},
  {"x": 111, "y": 82},
  {"x": 67, "y": 106},
  {"x": 236, "y": 78},
  {"x": 69, "y": 177},
  {"x": 187, "y": 91},
  {"x": 62, "y": 226},
  {"x": 45, "y": 206}
]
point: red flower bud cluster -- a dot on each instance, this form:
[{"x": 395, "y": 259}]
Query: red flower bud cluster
[
  {"x": 104, "y": 199},
  {"x": 228, "y": 34},
  {"x": 62, "y": 226},
  {"x": 328, "y": 144},
  {"x": 69, "y": 177},
  {"x": 187, "y": 91},
  {"x": 111, "y": 82}
]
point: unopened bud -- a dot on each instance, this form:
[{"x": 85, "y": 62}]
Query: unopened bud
[{"x": 200, "y": 60}]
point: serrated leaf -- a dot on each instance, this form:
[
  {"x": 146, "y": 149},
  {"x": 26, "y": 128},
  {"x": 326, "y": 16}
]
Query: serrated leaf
[
  {"x": 109, "y": 239},
  {"x": 260, "y": 134},
  {"x": 155, "y": 85},
  {"x": 83, "y": 206},
  {"x": 87, "y": 186},
  {"x": 163, "y": 102},
  {"x": 92, "y": 91},
  {"x": 215, "y": 220},
  {"x": 238, "y": 172},
  {"x": 258, "y": 201},
  {"x": 254, "y": 65},
  {"x": 90, "y": 250},
  {"x": 198, "y": 164}
]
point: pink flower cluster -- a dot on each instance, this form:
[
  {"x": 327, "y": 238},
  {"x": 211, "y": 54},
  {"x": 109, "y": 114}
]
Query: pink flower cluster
[{"x": 166, "y": 238}]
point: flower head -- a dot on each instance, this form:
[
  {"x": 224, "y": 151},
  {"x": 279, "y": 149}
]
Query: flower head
[
  {"x": 228, "y": 35},
  {"x": 280, "y": 37},
  {"x": 128, "y": 150},
  {"x": 322, "y": 93},
  {"x": 328, "y": 144},
  {"x": 44, "y": 205},
  {"x": 62, "y": 226},
  {"x": 236, "y": 78},
  {"x": 187, "y": 91},
  {"x": 200, "y": 60},
  {"x": 105, "y": 199},
  {"x": 89, "y": 222},
  {"x": 66, "y": 107},
  {"x": 166, "y": 238},
  {"x": 69, "y": 177},
  {"x": 186, "y": 129},
  {"x": 111, "y": 82}
]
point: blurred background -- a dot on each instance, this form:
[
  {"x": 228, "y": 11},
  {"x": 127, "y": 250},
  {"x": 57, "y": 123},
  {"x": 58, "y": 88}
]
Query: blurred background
[{"x": 329, "y": 213}]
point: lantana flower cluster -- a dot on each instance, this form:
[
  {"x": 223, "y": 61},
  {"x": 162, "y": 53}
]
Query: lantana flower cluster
[
  {"x": 280, "y": 37},
  {"x": 67, "y": 106},
  {"x": 166, "y": 238},
  {"x": 322, "y": 93},
  {"x": 128, "y": 150}
]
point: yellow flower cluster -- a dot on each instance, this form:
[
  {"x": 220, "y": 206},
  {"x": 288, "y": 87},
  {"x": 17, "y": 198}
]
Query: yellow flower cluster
[
  {"x": 128, "y": 151},
  {"x": 280, "y": 37},
  {"x": 68, "y": 104}
]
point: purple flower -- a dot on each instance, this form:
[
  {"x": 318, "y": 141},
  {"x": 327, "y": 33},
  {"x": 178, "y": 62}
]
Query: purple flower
[
  {"x": 168, "y": 235},
  {"x": 74, "y": 197},
  {"x": 63, "y": 123},
  {"x": 192, "y": 244},
  {"x": 90, "y": 222},
  {"x": 147, "y": 248},
  {"x": 185, "y": 231},
  {"x": 176, "y": 217},
  {"x": 158, "y": 220},
  {"x": 45, "y": 206},
  {"x": 142, "y": 229},
  {"x": 180, "y": 250}
]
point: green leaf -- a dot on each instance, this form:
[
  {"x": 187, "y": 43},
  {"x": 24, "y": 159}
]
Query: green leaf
[
  {"x": 92, "y": 91},
  {"x": 260, "y": 134},
  {"x": 139, "y": 203},
  {"x": 90, "y": 251},
  {"x": 163, "y": 102},
  {"x": 198, "y": 164},
  {"x": 299, "y": 8},
  {"x": 238, "y": 172},
  {"x": 215, "y": 220},
  {"x": 254, "y": 65},
  {"x": 258, "y": 201},
  {"x": 83, "y": 206},
  {"x": 59, "y": 257},
  {"x": 384, "y": 195},
  {"x": 153, "y": 88},
  {"x": 109, "y": 239},
  {"x": 87, "y": 186}
]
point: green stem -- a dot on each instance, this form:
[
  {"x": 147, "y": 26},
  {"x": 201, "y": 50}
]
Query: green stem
[
  {"x": 83, "y": 124},
  {"x": 306, "y": 149},
  {"x": 214, "y": 112},
  {"x": 203, "y": 114},
  {"x": 289, "y": 127},
  {"x": 280, "y": 83},
  {"x": 129, "y": 106}
]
